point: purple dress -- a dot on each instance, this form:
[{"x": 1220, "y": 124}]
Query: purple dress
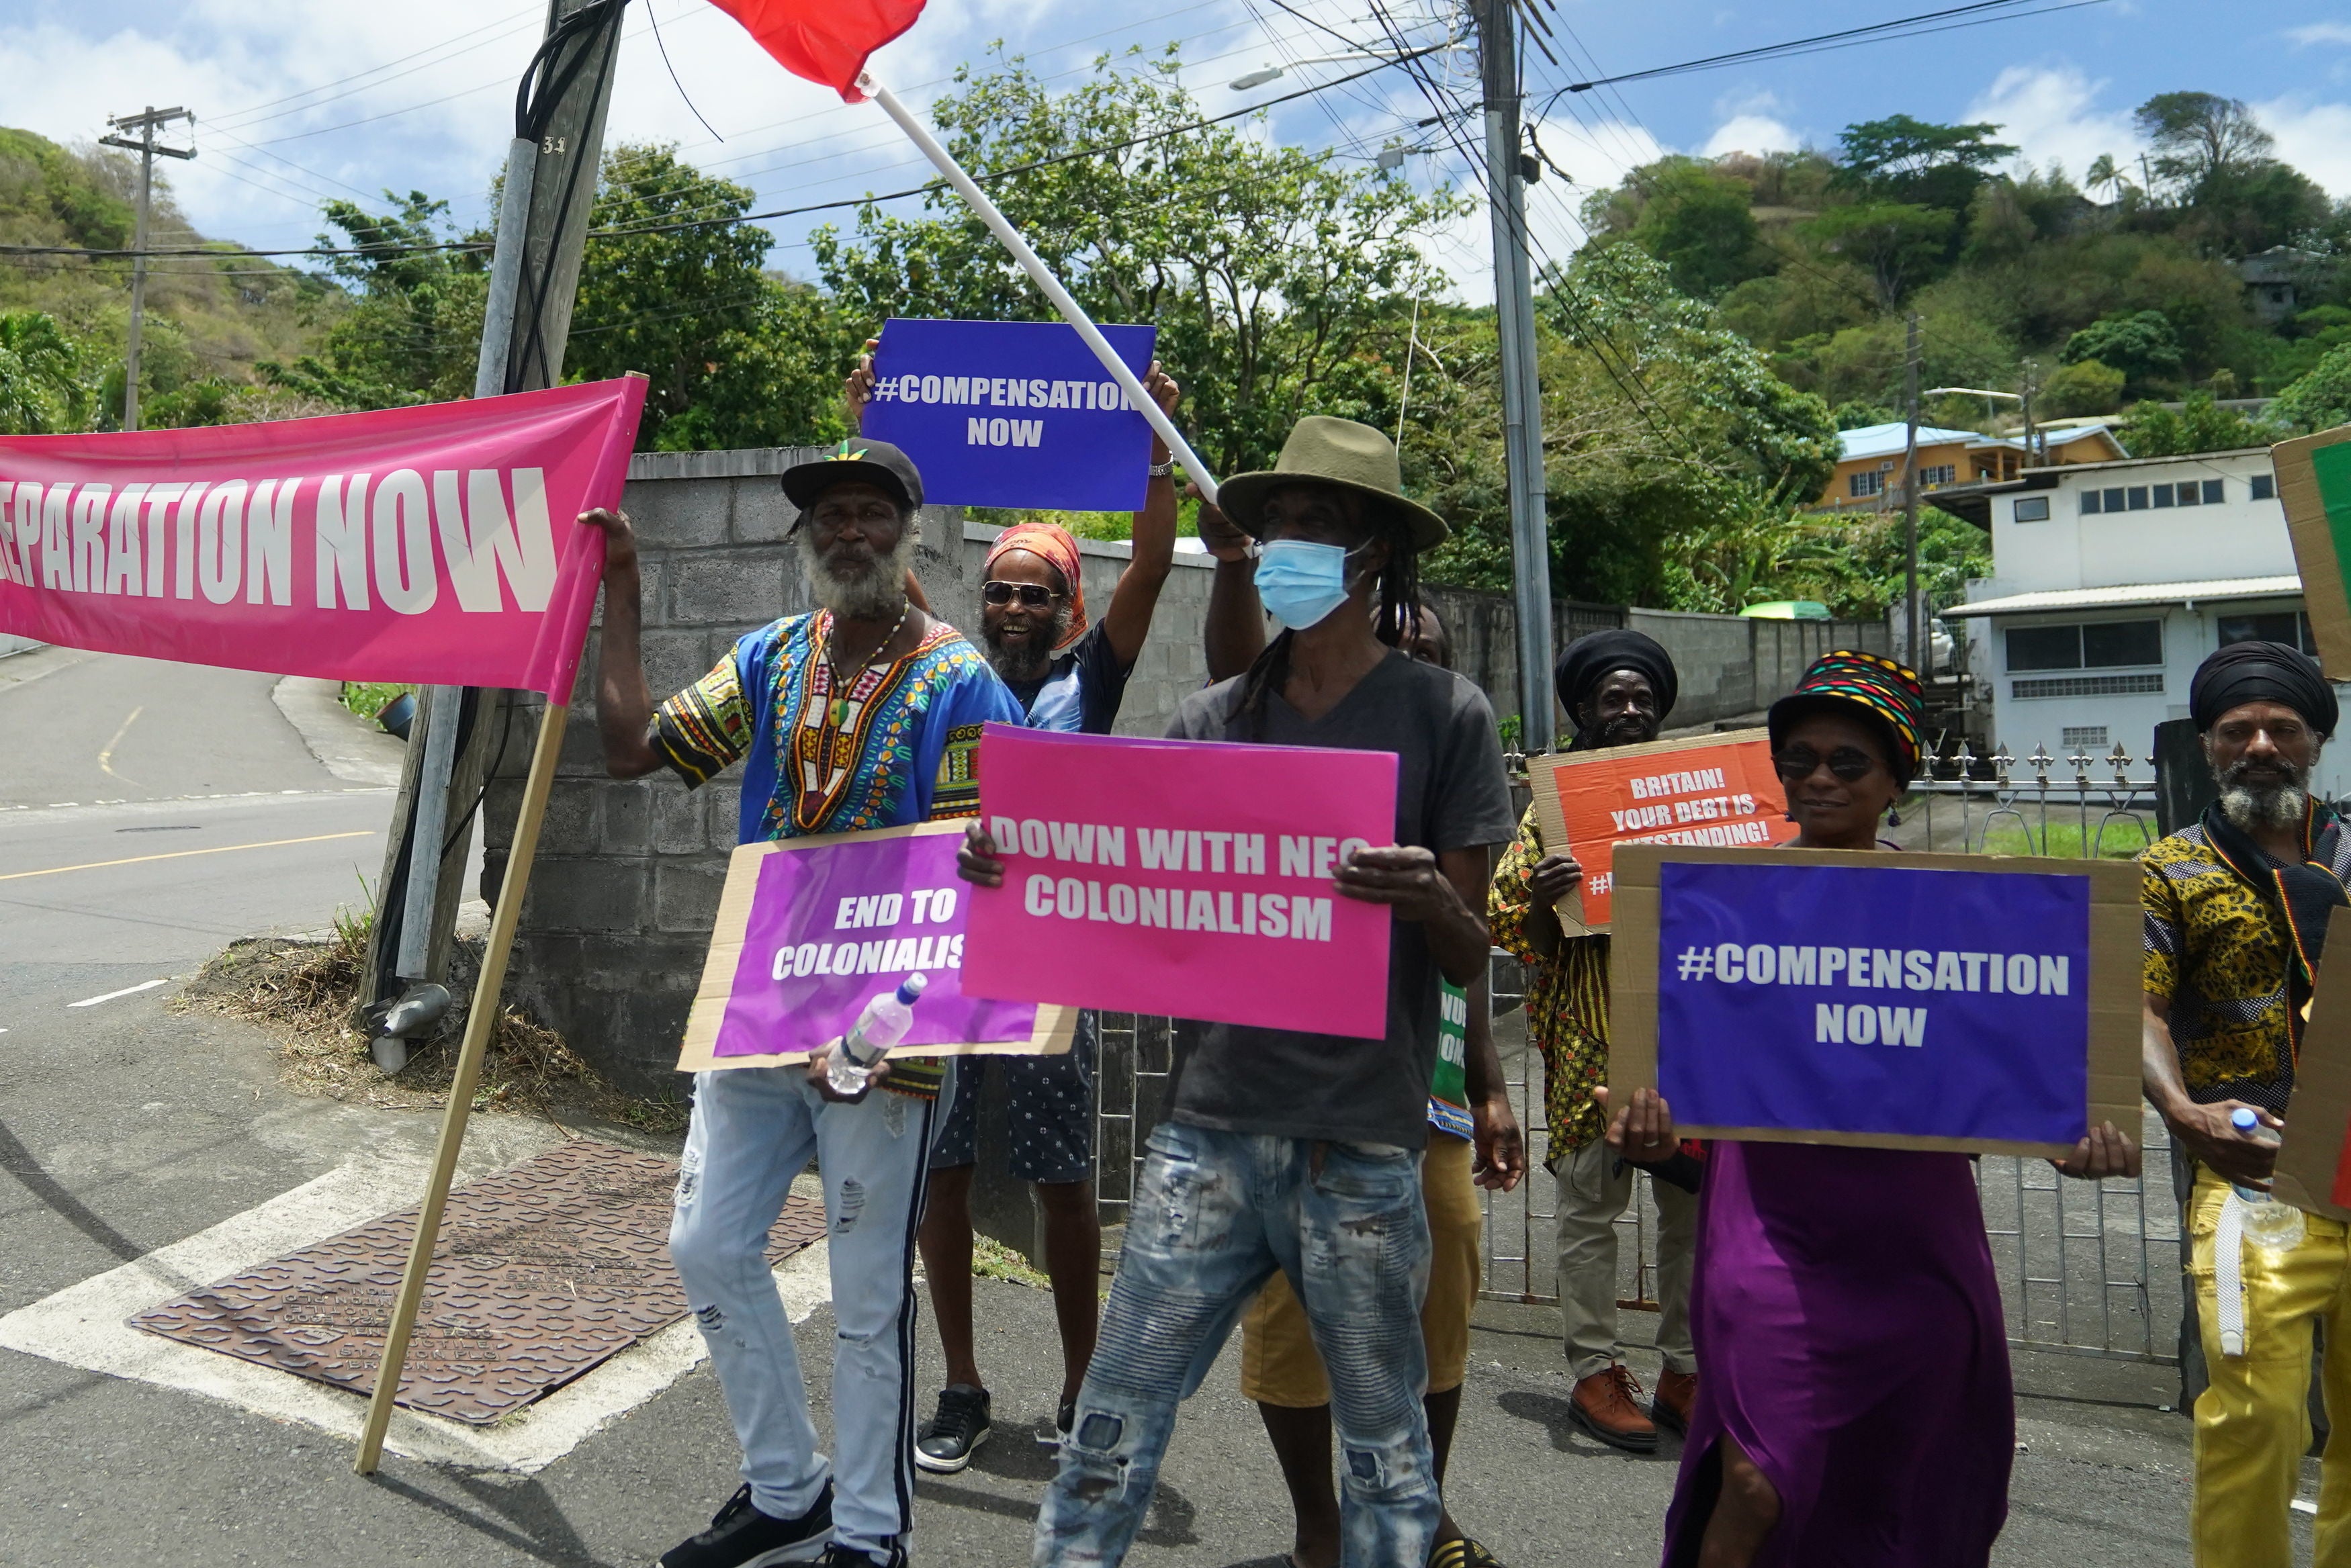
[{"x": 1850, "y": 1340}]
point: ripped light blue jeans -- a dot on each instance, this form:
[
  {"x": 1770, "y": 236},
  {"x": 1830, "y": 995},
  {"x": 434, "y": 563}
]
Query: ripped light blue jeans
[
  {"x": 1214, "y": 1215},
  {"x": 754, "y": 1129}
]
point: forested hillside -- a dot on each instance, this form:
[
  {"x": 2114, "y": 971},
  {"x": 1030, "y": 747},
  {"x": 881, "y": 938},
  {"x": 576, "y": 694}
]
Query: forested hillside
[{"x": 1697, "y": 358}]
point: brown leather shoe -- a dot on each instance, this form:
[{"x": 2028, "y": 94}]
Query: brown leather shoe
[
  {"x": 1676, "y": 1397},
  {"x": 1608, "y": 1406}
]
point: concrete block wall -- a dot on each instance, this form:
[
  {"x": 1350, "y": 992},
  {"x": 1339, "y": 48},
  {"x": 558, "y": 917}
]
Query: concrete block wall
[{"x": 629, "y": 871}]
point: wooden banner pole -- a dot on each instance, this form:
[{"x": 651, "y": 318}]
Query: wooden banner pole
[{"x": 478, "y": 1023}]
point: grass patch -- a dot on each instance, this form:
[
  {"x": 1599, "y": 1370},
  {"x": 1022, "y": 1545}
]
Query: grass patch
[
  {"x": 2066, "y": 840},
  {"x": 307, "y": 994},
  {"x": 992, "y": 1260},
  {"x": 369, "y": 698}
]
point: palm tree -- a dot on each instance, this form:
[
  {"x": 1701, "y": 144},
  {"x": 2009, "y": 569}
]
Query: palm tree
[{"x": 2104, "y": 175}]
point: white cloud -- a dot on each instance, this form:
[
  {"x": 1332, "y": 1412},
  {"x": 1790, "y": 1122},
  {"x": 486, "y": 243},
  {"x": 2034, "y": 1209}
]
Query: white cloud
[
  {"x": 2316, "y": 138},
  {"x": 1756, "y": 133},
  {"x": 2321, "y": 33},
  {"x": 2052, "y": 113}
]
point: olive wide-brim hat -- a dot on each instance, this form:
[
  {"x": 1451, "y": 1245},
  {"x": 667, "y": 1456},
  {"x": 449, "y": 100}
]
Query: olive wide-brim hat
[{"x": 1326, "y": 451}]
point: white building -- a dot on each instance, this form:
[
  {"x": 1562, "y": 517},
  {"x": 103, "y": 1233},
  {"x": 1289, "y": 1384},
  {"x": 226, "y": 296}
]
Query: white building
[{"x": 2112, "y": 581}]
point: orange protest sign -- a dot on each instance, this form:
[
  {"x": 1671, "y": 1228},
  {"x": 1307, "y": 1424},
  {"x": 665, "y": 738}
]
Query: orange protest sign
[{"x": 1707, "y": 789}]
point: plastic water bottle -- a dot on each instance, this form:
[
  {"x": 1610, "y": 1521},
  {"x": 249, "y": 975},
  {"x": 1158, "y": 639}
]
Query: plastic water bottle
[
  {"x": 2268, "y": 1224},
  {"x": 882, "y": 1025}
]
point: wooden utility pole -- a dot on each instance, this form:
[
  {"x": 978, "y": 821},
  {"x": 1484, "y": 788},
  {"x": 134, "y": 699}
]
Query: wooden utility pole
[
  {"x": 145, "y": 125},
  {"x": 1910, "y": 501},
  {"x": 1514, "y": 321},
  {"x": 551, "y": 172}
]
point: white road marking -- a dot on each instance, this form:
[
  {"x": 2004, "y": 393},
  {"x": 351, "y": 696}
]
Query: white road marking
[
  {"x": 86, "y": 1326},
  {"x": 126, "y": 991},
  {"x": 185, "y": 853},
  {"x": 2300, "y": 1506}
]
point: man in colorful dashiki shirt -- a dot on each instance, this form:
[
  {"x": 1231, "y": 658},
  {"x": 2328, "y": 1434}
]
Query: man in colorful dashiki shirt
[
  {"x": 1616, "y": 688},
  {"x": 865, "y": 713}
]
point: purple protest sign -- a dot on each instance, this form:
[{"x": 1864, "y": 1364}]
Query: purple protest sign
[
  {"x": 1885, "y": 1001},
  {"x": 810, "y": 929}
]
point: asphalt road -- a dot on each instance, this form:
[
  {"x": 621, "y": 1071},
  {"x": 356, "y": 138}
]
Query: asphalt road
[{"x": 125, "y": 1127}]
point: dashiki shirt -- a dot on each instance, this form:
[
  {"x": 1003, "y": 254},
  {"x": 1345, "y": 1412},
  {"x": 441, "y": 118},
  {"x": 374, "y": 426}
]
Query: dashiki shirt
[
  {"x": 1567, "y": 997},
  {"x": 897, "y": 747},
  {"x": 2230, "y": 943}
]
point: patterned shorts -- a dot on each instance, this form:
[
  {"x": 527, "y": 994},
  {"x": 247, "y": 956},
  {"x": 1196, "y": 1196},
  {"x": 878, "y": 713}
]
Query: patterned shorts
[{"x": 1049, "y": 1109}]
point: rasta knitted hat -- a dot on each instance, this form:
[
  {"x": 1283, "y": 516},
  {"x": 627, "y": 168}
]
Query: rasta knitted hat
[{"x": 1889, "y": 692}]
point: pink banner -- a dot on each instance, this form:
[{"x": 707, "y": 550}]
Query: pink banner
[
  {"x": 1189, "y": 878},
  {"x": 433, "y": 545}
]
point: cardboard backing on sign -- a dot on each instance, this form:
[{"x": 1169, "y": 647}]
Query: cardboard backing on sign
[
  {"x": 1056, "y": 1026},
  {"x": 2304, "y": 494},
  {"x": 2319, "y": 1114},
  {"x": 1543, "y": 773},
  {"x": 2114, "y": 989}
]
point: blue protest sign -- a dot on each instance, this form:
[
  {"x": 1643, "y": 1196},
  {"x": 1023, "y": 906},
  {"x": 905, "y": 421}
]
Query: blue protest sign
[
  {"x": 1013, "y": 414},
  {"x": 1896, "y": 1003}
]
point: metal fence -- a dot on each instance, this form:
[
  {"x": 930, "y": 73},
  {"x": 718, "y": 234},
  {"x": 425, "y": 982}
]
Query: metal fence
[{"x": 2087, "y": 1268}]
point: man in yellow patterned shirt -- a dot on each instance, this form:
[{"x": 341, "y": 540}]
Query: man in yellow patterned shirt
[
  {"x": 1617, "y": 687},
  {"x": 2236, "y": 907}
]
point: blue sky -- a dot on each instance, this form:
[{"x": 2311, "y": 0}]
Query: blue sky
[{"x": 299, "y": 100}]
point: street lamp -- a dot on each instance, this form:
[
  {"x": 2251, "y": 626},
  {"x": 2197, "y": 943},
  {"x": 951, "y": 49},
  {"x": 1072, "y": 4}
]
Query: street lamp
[{"x": 1258, "y": 78}]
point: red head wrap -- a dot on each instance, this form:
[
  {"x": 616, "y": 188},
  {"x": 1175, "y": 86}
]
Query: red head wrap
[{"x": 1055, "y": 545}]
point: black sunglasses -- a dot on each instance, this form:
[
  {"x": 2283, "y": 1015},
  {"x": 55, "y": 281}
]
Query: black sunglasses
[
  {"x": 1849, "y": 763},
  {"x": 1034, "y": 595}
]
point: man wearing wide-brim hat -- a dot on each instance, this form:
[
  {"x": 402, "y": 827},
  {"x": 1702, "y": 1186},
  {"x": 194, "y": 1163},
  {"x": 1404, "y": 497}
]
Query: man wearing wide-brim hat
[{"x": 1282, "y": 1148}]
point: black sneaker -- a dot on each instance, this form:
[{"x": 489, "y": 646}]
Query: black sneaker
[
  {"x": 740, "y": 1536},
  {"x": 945, "y": 1443},
  {"x": 1053, "y": 1437}
]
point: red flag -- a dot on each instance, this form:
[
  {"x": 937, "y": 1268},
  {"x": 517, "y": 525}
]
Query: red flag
[{"x": 824, "y": 40}]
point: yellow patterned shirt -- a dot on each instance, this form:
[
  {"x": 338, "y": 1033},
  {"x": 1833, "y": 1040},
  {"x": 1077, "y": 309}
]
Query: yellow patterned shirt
[
  {"x": 2216, "y": 951},
  {"x": 1567, "y": 996}
]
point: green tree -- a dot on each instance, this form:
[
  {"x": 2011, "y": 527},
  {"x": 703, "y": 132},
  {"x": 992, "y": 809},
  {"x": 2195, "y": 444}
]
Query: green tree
[
  {"x": 736, "y": 356},
  {"x": 1899, "y": 245},
  {"x": 2143, "y": 347},
  {"x": 1906, "y": 160},
  {"x": 2196, "y": 135},
  {"x": 1696, "y": 220},
  {"x": 2200, "y": 424},
  {"x": 2320, "y": 400},
  {"x": 1281, "y": 280},
  {"x": 414, "y": 334},
  {"x": 41, "y": 387},
  {"x": 2085, "y": 386}
]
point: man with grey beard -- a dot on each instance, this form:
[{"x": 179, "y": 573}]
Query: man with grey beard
[
  {"x": 863, "y": 714},
  {"x": 2236, "y": 909}
]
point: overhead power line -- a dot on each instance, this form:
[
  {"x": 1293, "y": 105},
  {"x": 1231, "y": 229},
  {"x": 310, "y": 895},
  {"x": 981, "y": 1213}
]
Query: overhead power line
[
  {"x": 1095, "y": 151},
  {"x": 1843, "y": 38}
]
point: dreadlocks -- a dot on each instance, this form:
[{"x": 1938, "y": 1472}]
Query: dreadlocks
[{"x": 1399, "y": 606}]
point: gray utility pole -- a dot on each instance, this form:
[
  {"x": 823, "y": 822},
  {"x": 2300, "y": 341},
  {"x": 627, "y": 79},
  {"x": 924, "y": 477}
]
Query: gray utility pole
[
  {"x": 145, "y": 125},
  {"x": 549, "y": 185},
  {"x": 1514, "y": 321},
  {"x": 1910, "y": 505},
  {"x": 2029, "y": 385}
]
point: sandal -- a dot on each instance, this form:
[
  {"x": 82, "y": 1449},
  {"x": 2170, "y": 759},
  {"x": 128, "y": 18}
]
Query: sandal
[{"x": 1462, "y": 1552}]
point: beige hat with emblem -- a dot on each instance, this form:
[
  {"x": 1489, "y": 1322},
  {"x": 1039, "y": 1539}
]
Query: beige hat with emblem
[{"x": 1326, "y": 451}]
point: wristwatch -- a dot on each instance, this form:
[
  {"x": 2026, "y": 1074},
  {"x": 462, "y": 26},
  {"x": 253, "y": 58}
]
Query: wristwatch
[{"x": 1162, "y": 470}]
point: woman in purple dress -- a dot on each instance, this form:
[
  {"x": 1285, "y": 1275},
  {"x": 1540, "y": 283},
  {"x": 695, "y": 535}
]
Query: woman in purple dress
[{"x": 1854, "y": 1406}]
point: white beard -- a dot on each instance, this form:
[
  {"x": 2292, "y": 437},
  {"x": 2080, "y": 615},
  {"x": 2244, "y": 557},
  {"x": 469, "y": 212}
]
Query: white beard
[{"x": 875, "y": 594}]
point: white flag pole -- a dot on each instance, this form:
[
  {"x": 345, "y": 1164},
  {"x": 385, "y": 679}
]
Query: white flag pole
[{"x": 1042, "y": 275}]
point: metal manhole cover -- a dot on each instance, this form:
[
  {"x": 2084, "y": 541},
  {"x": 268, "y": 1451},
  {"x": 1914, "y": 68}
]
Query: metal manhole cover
[{"x": 542, "y": 1272}]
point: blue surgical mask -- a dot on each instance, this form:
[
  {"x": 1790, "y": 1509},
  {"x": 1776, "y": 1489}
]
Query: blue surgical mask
[{"x": 1302, "y": 582}]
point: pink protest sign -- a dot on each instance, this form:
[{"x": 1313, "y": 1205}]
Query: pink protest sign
[
  {"x": 810, "y": 929},
  {"x": 1184, "y": 878},
  {"x": 434, "y": 544}
]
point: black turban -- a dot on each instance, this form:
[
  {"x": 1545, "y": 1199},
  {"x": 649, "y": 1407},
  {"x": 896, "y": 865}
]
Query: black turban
[
  {"x": 2262, "y": 673},
  {"x": 1589, "y": 660}
]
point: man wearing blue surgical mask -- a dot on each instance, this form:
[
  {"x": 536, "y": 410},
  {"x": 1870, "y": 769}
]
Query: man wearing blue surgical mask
[{"x": 1295, "y": 1151}]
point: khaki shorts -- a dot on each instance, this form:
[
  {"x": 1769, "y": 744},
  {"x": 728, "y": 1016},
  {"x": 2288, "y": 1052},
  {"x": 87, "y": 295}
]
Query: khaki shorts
[{"x": 1278, "y": 1362}]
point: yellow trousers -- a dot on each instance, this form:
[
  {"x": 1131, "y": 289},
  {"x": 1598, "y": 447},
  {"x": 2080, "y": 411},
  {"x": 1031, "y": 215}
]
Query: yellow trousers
[{"x": 2252, "y": 1424}]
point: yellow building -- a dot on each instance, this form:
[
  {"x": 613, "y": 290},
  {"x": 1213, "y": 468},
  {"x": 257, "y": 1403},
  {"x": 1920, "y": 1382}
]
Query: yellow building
[{"x": 1869, "y": 459}]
